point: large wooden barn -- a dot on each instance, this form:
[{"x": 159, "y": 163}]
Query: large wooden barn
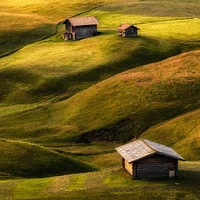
[
  {"x": 80, "y": 27},
  {"x": 145, "y": 159},
  {"x": 128, "y": 30}
]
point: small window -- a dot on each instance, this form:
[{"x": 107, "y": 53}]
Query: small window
[{"x": 172, "y": 173}]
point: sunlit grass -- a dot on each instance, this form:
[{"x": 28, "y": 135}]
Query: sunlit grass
[
  {"x": 22, "y": 159},
  {"x": 55, "y": 11},
  {"x": 31, "y": 188},
  {"x": 7, "y": 110},
  {"x": 176, "y": 29},
  {"x": 25, "y": 22},
  {"x": 113, "y": 183},
  {"x": 65, "y": 67},
  {"x": 120, "y": 108},
  {"x": 182, "y": 133},
  {"x": 160, "y": 26},
  {"x": 161, "y": 90}
]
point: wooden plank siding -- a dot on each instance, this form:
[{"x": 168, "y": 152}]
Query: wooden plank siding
[
  {"x": 130, "y": 32},
  {"x": 156, "y": 166},
  {"x": 146, "y": 159},
  {"x": 80, "y": 27},
  {"x": 128, "y": 167},
  {"x": 85, "y": 31}
]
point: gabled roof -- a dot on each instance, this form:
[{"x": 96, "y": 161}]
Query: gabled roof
[
  {"x": 82, "y": 21},
  {"x": 142, "y": 148},
  {"x": 126, "y": 26}
]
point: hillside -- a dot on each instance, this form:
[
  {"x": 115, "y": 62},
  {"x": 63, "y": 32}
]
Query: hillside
[
  {"x": 28, "y": 21},
  {"x": 181, "y": 133},
  {"x": 75, "y": 101},
  {"x": 66, "y": 105},
  {"x": 45, "y": 74},
  {"x": 28, "y": 160},
  {"x": 105, "y": 185},
  {"x": 115, "y": 109}
]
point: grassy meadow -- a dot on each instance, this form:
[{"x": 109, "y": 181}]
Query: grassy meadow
[
  {"x": 112, "y": 183},
  {"x": 19, "y": 156},
  {"x": 181, "y": 132},
  {"x": 66, "y": 105},
  {"x": 27, "y": 21}
]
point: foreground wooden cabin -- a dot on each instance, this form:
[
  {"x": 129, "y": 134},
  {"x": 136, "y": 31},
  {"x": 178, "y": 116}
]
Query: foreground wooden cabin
[
  {"x": 128, "y": 30},
  {"x": 145, "y": 159},
  {"x": 80, "y": 27}
]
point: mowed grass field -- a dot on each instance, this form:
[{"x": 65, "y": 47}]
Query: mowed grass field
[
  {"x": 112, "y": 183},
  {"x": 66, "y": 105}
]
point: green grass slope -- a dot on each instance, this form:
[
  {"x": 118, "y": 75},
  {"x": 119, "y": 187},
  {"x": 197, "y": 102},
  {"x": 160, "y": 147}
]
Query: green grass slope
[
  {"x": 41, "y": 74},
  {"x": 119, "y": 108},
  {"x": 70, "y": 95},
  {"x": 28, "y": 160},
  {"x": 45, "y": 73},
  {"x": 160, "y": 19},
  {"x": 124, "y": 106},
  {"x": 18, "y": 30},
  {"x": 181, "y": 133},
  {"x": 109, "y": 184},
  {"x": 54, "y": 67},
  {"x": 24, "y": 22}
]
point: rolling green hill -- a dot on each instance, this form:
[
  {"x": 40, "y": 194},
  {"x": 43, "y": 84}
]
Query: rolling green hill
[
  {"x": 27, "y": 21},
  {"x": 28, "y": 160},
  {"x": 53, "y": 66},
  {"x": 181, "y": 133},
  {"x": 45, "y": 74},
  {"x": 107, "y": 185},
  {"x": 117, "y": 109},
  {"x": 82, "y": 98}
]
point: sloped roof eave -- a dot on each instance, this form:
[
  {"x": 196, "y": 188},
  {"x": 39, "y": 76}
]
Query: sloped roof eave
[
  {"x": 154, "y": 153},
  {"x": 169, "y": 156},
  {"x": 182, "y": 159},
  {"x": 82, "y": 21},
  {"x": 168, "y": 152},
  {"x": 126, "y": 26},
  {"x": 143, "y": 148}
]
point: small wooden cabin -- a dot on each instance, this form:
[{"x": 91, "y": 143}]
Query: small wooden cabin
[
  {"x": 80, "y": 27},
  {"x": 128, "y": 30},
  {"x": 145, "y": 159}
]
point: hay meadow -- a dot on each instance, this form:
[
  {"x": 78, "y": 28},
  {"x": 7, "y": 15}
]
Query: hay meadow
[{"x": 66, "y": 105}]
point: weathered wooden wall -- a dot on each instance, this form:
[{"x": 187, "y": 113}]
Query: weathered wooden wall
[
  {"x": 68, "y": 27},
  {"x": 131, "y": 32},
  {"x": 156, "y": 166},
  {"x": 79, "y": 32},
  {"x": 128, "y": 167},
  {"x": 85, "y": 31}
]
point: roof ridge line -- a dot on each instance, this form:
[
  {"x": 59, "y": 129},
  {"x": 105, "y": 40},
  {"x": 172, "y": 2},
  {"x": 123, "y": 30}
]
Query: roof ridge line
[{"x": 148, "y": 145}]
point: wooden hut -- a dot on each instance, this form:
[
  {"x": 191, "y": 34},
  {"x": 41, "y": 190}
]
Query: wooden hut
[
  {"x": 145, "y": 159},
  {"x": 128, "y": 30},
  {"x": 80, "y": 27}
]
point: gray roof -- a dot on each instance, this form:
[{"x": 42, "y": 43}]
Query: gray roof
[
  {"x": 142, "y": 148},
  {"x": 82, "y": 21},
  {"x": 126, "y": 26}
]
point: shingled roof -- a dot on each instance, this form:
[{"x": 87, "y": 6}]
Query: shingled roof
[
  {"x": 125, "y": 26},
  {"x": 82, "y": 21},
  {"x": 142, "y": 148}
]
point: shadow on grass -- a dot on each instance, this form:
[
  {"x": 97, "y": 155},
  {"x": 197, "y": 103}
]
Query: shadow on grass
[{"x": 146, "y": 52}]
